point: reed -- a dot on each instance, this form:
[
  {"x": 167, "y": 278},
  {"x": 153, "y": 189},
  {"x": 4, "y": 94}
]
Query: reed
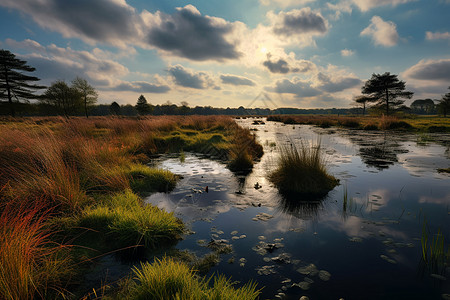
[{"x": 302, "y": 170}]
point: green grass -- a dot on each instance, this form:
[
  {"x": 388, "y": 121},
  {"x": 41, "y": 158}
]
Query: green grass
[
  {"x": 301, "y": 169},
  {"x": 435, "y": 252},
  {"x": 167, "y": 279},
  {"x": 148, "y": 180},
  {"x": 126, "y": 221}
]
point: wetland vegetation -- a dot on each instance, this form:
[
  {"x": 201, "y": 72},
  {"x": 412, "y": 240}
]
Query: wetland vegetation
[{"x": 177, "y": 207}]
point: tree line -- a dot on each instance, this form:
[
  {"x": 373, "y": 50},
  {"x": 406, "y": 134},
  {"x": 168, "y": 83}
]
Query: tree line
[{"x": 382, "y": 93}]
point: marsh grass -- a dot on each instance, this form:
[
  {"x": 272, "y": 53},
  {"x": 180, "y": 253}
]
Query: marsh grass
[
  {"x": 31, "y": 265},
  {"x": 301, "y": 170},
  {"x": 435, "y": 252},
  {"x": 168, "y": 279},
  {"x": 127, "y": 221}
]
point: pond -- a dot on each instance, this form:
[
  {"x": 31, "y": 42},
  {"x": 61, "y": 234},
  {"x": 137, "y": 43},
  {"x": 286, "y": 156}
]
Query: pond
[{"x": 363, "y": 241}]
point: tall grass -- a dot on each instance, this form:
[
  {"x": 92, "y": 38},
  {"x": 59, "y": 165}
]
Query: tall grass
[
  {"x": 301, "y": 169},
  {"x": 31, "y": 266},
  {"x": 167, "y": 279},
  {"x": 434, "y": 252}
]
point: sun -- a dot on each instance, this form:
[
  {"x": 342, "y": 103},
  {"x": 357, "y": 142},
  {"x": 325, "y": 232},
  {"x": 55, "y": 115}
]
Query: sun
[{"x": 263, "y": 50}]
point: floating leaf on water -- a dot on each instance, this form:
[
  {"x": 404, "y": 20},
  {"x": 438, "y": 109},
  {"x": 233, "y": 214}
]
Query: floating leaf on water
[
  {"x": 303, "y": 285},
  {"x": 310, "y": 269},
  {"x": 220, "y": 232},
  {"x": 389, "y": 260},
  {"x": 446, "y": 296},
  {"x": 377, "y": 196},
  {"x": 234, "y": 238},
  {"x": 242, "y": 265},
  {"x": 201, "y": 242},
  {"x": 304, "y": 298},
  {"x": 278, "y": 240},
  {"x": 439, "y": 277},
  {"x": 308, "y": 280},
  {"x": 242, "y": 260},
  {"x": 287, "y": 280},
  {"x": 355, "y": 240},
  {"x": 267, "y": 259},
  {"x": 243, "y": 236},
  {"x": 381, "y": 233},
  {"x": 261, "y": 237},
  {"x": 216, "y": 236},
  {"x": 234, "y": 232},
  {"x": 266, "y": 270},
  {"x": 231, "y": 260},
  {"x": 392, "y": 251},
  {"x": 262, "y": 217},
  {"x": 324, "y": 275}
]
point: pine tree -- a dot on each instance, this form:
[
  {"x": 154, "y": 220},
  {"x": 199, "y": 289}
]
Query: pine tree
[
  {"x": 87, "y": 92},
  {"x": 142, "y": 106},
  {"x": 386, "y": 89},
  {"x": 13, "y": 83}
]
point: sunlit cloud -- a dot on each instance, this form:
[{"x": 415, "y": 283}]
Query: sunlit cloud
[
  {"x": 236, "y": 80},
  {"x": 437, "y": 35},
  {"x": 430, "y": 70},
  {"x": 347, "y": 52},
  {"x": 191, "y": 79},
  {"x": 365, "y": 5},
  {"x": 383, "y": 33},
  {"x": 285, "y": 3}
]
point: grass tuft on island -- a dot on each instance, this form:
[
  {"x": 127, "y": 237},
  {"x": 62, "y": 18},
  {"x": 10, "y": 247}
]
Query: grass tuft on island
[
  {"x": 168, "y": 279},
  {"x": 301, "y": 170}
]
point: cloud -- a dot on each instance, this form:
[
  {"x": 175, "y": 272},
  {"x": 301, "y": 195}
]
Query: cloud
[
  {"x": 141, "y": 87},
  {"x": 437, "y": 35},
  {"x": 188, "y": 34},
  {"x": 285, "y": 3},
  {"x": 296, "y": 87},
  {"x": 236, "y": 80},
  {"x": 190, "y": 79},
  {"x": 288, "y": 65},
  {"x": 382, "y": 33},
  {"x": 347, "y": 52},
  {"x": 298, "y": 22},
  {"x": 430, "y": 70},
  {"x": 108, "y": 21},
  {"x": 333, "y": 85},
  {"x": 365, "y": 5}
]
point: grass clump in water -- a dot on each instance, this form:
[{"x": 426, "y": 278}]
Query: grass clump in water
[
  {"x": 302, "y": 170},
  {"x": 167, "y": 279},
  {"x": 148, "y": 180},
  {"x": 129, "y": 222}
]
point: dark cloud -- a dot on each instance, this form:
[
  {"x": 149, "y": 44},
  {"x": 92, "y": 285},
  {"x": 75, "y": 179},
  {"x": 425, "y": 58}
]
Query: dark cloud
[
  {"x": 300, "y": 22},
  {"x": 189, "y": 79},
  {"x": 337, "y": 85},
  {"x": 430, "y": 70},
  {"x": 298, "y": 88},
  {"x": 142, "y": 87},
  {"x": 99, "y": 20},
  {"x": 236, "y": 80},
  {"x": 188, "y": 34},
  {"x": 280, "y": 66}
]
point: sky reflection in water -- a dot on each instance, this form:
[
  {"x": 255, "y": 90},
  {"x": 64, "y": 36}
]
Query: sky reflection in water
[{"x": 369, "y": 243}]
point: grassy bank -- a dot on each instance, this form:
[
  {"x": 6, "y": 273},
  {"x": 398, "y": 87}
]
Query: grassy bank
[
  {"x": 405, "y": 122},
  {"x": 75, "y": 188}
]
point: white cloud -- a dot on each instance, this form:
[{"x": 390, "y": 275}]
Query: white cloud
[
  {"x": 347, "y": 52},
  {"x": 437, "y": 35},
  {"x": 383, "y": 33},
  {"x": 285, "y": 3},
  {"x": 365, "y": 5}
]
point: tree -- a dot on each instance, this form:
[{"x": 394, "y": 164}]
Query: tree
[
  {"x": 363, "y": 100},
  {"x": 444, "y": 104},
  {"x": 15, "y": 84},
  {"x": 142, "y": 106},
  {"x": 87, "y": 92},
  {"x": 386, "y": 89},
  {"x": 115, "y": 108},
  {"x": 66, "y": 99}
]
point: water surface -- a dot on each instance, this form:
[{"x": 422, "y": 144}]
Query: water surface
[{"x": 361, "y": 242}]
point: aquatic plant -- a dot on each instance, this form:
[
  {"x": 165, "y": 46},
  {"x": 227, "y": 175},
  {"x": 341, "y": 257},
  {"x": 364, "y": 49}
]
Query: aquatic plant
[
  {"x": 167, "y": 279},
  {"x": 434, "y": 252},
  {"x": 301, "y": 169}
]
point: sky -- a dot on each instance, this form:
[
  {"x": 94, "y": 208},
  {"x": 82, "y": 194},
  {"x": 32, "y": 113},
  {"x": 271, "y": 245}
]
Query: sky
[{"x": 295, "y": 53}]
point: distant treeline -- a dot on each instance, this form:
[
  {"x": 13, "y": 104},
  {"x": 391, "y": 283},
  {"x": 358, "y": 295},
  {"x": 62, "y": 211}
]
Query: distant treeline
[{"x": 42, "y": 109}]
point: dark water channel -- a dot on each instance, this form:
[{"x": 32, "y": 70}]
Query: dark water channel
[{"x": 363, "y": 241}]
